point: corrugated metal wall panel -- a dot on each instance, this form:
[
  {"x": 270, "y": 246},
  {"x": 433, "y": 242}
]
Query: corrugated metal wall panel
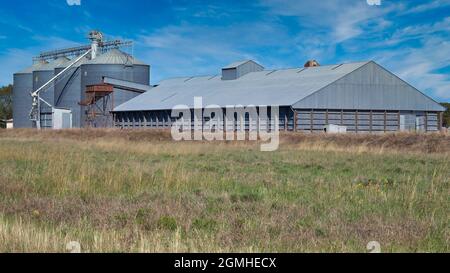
[
  {"x": 366, "y": 121},
  {"x": 23, "y": 85},
  {"x": 307, "y": 120},
  {"x": 163, "y": 119}
]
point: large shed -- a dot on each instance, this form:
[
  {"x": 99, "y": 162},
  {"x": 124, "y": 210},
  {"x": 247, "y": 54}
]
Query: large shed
[{"x": 362, "y": 96}]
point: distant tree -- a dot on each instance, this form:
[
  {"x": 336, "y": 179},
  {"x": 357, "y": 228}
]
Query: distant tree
[
  {"x": 5, "y": 103},
  {"x": 446, "y": 120}
]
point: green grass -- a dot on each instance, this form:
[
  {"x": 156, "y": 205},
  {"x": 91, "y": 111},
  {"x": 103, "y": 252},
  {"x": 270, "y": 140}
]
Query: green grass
[{"x": 124, "y": 196}]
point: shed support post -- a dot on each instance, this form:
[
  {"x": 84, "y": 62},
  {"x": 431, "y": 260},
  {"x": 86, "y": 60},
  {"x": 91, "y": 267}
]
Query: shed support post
[
  {"x": 440, "y": 121},
  {"x": 295, "y": 120},
  {"x": 169, "y": 118},
  {"x": 285, "y": 122},
  {"x": 113, "y": 121},
  {"x": 385, "y": 121},
  {"x": 144, "y": 119},
  {"x": 426, "y": 122}
]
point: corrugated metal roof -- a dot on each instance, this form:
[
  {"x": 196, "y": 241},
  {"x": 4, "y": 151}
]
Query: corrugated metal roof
[
  {"x": 236, "y": 64},
  {"x": 280, "y": 87},
  {"x": 127, "y": 84},
  {"x": 81, "y": 62},
  {"x": 32, "y": 68},
  {"x": 115, "y": 56}
]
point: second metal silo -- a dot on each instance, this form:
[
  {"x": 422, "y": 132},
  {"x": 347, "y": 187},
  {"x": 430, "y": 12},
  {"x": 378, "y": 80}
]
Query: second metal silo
[
  {"x": 41, "y": 76},
  {"x": 70, "y": 91},
  {"x": 118, "y": 65}
]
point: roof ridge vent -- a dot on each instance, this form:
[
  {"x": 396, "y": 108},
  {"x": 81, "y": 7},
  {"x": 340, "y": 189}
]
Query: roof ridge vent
[
  {"x": 312, "y": 63},
  {"x": 236, "y": 70}
]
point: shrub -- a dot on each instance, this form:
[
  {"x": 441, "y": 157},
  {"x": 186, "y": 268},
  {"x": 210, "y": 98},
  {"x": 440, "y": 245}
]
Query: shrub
[
  {"x": 204, "y": 224},
  {"x": 168, "y": 223}
]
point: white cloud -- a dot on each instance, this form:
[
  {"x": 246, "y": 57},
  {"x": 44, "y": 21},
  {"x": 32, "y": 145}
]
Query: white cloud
[
  {"x": 17, "y": 59},
  {"x": 73, "y": 2},
  {"x": 186, "y": 50},
  {"x": 340, "y": 19},
  {"x": 419, "y": 31},
  {"x": 427, "y": 6},
  {"x": 421, "y": 66},
  {"x": 326, "y": 26}
]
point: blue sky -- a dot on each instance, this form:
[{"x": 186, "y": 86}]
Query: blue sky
[{"x": 192, "y": 37}]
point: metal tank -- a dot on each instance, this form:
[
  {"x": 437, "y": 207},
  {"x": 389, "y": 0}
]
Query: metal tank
[
  {"x": 44, "y": 73},
  {"x": 22, "y": 87},
  {"x": 113, "y": 64},
  {"x": 68, "y": 90},
  {"x": 41, "y": 76}
]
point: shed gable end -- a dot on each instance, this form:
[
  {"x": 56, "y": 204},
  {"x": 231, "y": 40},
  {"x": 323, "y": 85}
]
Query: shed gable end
[{"x": 370, "y": 87}]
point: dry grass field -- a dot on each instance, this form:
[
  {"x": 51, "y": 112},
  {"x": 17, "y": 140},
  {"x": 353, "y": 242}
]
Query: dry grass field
[{"x": 137, "y": 191}]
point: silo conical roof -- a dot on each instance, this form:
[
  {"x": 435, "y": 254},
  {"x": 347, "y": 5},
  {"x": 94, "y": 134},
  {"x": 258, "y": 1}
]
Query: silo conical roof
[
  {"x": 34, "y": 67},
  {"x": 59, "y": 62},
  {"x": 80, "y": 62},
  {"x": 115, "y": 56}
]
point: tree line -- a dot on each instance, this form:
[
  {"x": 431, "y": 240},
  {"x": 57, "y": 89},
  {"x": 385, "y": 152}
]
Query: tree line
[
  {"x": 5, "y": 104},
  {"x": 446, "y": 120}
]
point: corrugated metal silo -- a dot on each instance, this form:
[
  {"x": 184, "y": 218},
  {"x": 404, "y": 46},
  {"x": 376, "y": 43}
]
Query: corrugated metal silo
[
  {"x": 117, "y": 65},
  {"x": 41, "y": 76},
  {"x": 68, "y": 90},
  {"x": 22, "y": 87}
]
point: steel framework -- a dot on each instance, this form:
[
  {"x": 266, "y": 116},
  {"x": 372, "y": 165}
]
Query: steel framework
[
  {"x": 76, "y": 51},
  {"x": 99, "y": 104}
]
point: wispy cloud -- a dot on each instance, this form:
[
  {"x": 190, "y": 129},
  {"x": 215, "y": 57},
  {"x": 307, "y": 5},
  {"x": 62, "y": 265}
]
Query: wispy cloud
[
  {"x": 73, "y": 2},
  {"x": 427, "y": 6},
  {"x": 422, "y": 65},
  {"x": 16, "y": 59},
  {"x": 419, "y": 31},
  {"x": 186, "y": 49},
  {"x": 340, "y": 19}
]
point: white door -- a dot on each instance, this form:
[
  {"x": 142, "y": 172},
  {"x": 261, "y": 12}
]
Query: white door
[{"x": 402, "y": 123}]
